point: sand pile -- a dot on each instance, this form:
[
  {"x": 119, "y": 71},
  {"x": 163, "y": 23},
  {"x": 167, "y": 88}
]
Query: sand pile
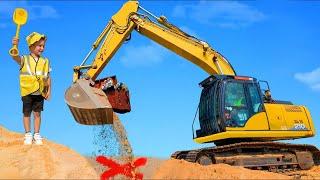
[
  {"x": 180, "y": 169},
  {"x": 313, "y": 173},
  {"x": 49, "y": 161},
  {"x": 54, "y": 161}
]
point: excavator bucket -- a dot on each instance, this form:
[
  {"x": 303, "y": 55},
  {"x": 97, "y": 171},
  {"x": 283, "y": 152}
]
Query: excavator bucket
[
  {"x": 88, "y": 105},
  {"x": 117, "y": 93}
]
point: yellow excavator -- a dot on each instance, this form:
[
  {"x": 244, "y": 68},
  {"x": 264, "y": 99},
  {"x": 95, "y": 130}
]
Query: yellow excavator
[{"x": 242, "y": 119}]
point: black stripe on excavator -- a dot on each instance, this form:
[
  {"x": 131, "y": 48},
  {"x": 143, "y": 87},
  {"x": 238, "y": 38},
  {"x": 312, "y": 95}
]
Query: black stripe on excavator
[{"x": 209, "y": 80}]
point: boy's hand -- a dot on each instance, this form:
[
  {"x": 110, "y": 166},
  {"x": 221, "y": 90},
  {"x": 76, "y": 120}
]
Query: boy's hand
[
  {"x": 13, "y": 51},
  {"x": 47, "y": 96},
  {"x": 15, "y": 41}
]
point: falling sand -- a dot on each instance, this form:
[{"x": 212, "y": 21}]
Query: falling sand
[{"x": 112, "y": 140}]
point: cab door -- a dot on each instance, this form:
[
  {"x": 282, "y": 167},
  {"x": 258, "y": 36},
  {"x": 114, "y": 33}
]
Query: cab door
[
  {"x": 236, "y": 108},
  {"x": 243, "y": 106}
]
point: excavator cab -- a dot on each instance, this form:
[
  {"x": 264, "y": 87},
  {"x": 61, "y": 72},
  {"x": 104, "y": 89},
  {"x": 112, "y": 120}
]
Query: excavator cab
[
  {"x": 227, "y": 101},
  {"x": 234, "y": 109}
]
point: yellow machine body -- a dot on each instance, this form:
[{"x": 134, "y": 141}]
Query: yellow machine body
[{"x": 277, "y": 122}]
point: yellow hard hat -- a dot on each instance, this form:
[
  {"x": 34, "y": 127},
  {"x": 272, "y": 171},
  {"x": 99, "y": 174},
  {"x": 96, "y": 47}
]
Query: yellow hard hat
[{"x": 34, "y": 37}]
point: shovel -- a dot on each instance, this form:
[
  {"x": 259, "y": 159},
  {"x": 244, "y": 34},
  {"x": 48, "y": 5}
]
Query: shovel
[{"x": 20, "y": 17}]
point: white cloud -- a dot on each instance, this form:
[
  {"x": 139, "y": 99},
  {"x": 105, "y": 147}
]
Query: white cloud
[
  {"x": 316, "y": 87},
  {"x": 7, "y": 7},
  {"x": 145, "y": 55},
  {"x": 34, "y": 11},
  {"x": 309, "y": 77},
  {"x": 312, "y": 78},
  {"x": 42, "y": 12},
  {"x": 224, "y": 14}
]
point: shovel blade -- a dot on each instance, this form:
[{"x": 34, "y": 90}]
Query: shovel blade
[{"x": 20, "y": 16}]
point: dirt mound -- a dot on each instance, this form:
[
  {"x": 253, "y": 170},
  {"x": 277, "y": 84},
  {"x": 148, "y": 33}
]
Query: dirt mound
[
  {"x": 152, "y": 166},
  {"x": 180, "y": 169},
  {"x": 54, "y": 161},
  {"x": 313, "y": 173},
  {"x": 49, "y": 161}
]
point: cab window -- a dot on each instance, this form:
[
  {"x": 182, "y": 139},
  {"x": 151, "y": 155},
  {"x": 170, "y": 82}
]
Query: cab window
[
  {"x": 236, "y": 109},
  {"x": 255, "y": 98}
]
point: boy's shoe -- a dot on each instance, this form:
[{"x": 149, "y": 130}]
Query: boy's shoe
[
  {"x": 27, "y": 139},
  {"x": 37, "y": 139}
]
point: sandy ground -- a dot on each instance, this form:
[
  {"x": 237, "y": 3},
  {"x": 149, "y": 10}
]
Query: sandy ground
[
  {"x": 48, "y": 161},
  {"x": 55, "y": 161},
  {"x": 180, "y": 169}
]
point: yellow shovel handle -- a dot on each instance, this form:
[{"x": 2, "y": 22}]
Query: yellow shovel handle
[
  {"x": 14, "y": 50},
  {"x": 18, "y": 30}
]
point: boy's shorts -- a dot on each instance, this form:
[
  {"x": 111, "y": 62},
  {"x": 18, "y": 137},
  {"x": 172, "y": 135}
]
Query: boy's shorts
[{"x": 32, "y": 103}]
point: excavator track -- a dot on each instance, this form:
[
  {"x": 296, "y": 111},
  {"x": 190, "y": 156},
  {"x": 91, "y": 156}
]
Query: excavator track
[{"x": 271, "y": 156}]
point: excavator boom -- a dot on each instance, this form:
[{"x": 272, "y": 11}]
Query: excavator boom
[{"x": 87, "y": 110}]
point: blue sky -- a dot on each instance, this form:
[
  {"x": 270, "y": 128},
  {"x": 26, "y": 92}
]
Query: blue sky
[{"x": 274, "y": 41}]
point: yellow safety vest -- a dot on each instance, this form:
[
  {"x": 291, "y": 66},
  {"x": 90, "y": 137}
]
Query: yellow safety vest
[{"x": 34, "y": 75}]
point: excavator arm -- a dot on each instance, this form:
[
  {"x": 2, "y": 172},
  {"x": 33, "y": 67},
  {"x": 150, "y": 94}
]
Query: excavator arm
[
  {"x": 128, "y": 19},
  {"x": 89, "y": 105}
]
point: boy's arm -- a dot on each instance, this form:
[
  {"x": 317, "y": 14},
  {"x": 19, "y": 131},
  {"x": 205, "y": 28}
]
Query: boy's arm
[
  {"x": 48, "y": 95},
  {"x": 15, "y": 41},
  {"x": 17, "y": 59}
]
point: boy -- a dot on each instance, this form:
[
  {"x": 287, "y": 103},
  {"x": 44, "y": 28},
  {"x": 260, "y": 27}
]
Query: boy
[{"x": 35, "y": 84}]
